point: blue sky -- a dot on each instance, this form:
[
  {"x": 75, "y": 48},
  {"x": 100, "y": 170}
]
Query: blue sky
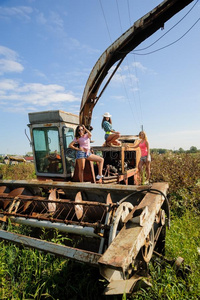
[{"x": 48, "y": 48}]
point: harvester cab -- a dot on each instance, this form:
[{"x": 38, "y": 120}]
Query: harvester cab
[{"x": 51, "y": 133}]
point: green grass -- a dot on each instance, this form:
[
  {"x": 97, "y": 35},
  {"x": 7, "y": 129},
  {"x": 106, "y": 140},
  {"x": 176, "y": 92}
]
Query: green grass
[
  {"x": 182, "y": 240},
  {"x": 30, "y": 274}
]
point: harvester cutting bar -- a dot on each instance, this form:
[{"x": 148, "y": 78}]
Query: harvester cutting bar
[{"x": 56, "y": 249}]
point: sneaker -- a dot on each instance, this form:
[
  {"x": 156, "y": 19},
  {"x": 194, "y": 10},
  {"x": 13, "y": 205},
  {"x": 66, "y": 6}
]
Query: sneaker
[{"x": 99, "y": 177}]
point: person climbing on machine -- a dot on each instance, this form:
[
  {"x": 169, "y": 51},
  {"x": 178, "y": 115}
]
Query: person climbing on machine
[
  {"x": 82, "y": 137},
  {"x": 111, "y": 136}
]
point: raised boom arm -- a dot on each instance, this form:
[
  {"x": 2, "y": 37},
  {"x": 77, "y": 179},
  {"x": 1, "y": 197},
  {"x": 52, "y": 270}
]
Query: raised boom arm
[{"x": 141, "y": 30}]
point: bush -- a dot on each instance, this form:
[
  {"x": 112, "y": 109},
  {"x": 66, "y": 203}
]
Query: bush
[
  {"x": 182, "y": 172},
  {"x": 21, "y": 171}
]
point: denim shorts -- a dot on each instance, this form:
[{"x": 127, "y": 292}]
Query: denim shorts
[
  {"x": 106, "y": 136},
  {"x": 82, "y": 154},
  {"x": 144, "y": 158}
]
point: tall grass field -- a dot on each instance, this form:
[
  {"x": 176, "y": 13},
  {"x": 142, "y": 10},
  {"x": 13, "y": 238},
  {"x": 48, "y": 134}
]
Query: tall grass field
[{"x": 31, "y": 274}]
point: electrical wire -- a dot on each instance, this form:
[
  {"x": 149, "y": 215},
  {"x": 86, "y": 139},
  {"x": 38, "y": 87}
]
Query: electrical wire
[
  {"x": 141, "y": 49},
  {"x": 138, "y": 89},
  {"x": 111, "y": 42},
  {"x": 105, "y": 20},
  {"x": 119, "y": 16},
  {"x": 136, "y": 75},
  {"x": 133, "y": 114},
  {"x": 129, "y": 12},
  {"x": 133, "y": 52}
]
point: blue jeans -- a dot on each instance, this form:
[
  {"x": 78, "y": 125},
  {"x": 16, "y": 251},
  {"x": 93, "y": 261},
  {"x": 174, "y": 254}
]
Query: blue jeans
[{"x": 82, "y": 154}]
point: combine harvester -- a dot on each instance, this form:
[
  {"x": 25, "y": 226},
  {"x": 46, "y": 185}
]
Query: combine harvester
[{"x": 116, "y": 225}]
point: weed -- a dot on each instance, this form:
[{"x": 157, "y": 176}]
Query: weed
[{"x": 30, "y": 274}]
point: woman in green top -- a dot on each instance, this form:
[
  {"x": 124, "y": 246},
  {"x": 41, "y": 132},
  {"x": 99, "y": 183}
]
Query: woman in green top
[{"x": 111, "y": 135}]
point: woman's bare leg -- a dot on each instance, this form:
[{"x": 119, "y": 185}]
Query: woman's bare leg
[
  {"x": 81, "y": 167},
  {"x": 140, "y": 168},
  {"x": 113, "y": 139},
  {"x": 99, "y": 160},
  {"x": 148, "y": 170}
]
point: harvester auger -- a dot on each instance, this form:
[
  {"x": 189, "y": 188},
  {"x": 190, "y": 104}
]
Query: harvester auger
[{"x": 115, "y": 225}]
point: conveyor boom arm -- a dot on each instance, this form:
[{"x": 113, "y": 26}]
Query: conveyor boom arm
[{"x": 141, "y": 30}]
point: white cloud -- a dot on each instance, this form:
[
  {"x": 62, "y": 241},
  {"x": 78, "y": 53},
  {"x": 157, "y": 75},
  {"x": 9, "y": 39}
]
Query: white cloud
[
  {"x": 16, "y": 94},
  {"x": 123, "y": 75},
  {"x": 8, "y": 61},
  {"x": 52, "y": 21},
  {"x": 10, "y": 66},
  {"x": 41, "y": 88},
  {"x": 41, "y": 19},
  {"x": 139, "y": 66},
  {"x": 56, "y": 20},
  {"x": 8, "y": 84},
  {"x": 21, "y": 12},
  {"x": 8, "y": 53},
  {"x": 39, "y": 74}
]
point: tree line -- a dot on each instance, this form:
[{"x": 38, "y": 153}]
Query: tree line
[{"x": 192, "y": 149}]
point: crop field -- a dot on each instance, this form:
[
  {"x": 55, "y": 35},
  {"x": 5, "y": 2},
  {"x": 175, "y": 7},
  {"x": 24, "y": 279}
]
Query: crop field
[{"x": 31, "y": 274}]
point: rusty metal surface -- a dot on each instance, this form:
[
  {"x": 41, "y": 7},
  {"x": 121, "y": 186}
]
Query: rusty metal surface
[
  {"x": 91, "y": 192},
  {"x": 125, "y": 247},
  {"x": 60, "y": 250},
  {"x": 67, "y": 186},
  {"x": 80, "y": 207},
  {"x": 65, "y": 211}
]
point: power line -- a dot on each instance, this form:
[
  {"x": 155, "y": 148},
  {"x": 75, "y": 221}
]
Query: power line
[
  {"x": 111, "y": 42},
  {"x": 127, "y": 96},
  {"x": 129, "y": 12},
  {"x": 167, "y": 30},
  {"x": 133, "y": 52},
  {"x": 119, "y": 16},
  {"x": 140, "y": 102},
  {"x": 105, "y": 20},
  {"x": 134, "y": 64}
]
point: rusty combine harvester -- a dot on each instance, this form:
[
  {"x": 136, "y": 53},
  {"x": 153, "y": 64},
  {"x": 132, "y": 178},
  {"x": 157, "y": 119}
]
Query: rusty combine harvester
[{"x": 115, "y": 225}]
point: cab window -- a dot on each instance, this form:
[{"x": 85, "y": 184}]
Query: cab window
[
  {"x": 70, "y": 154},
  {"x": 47, "y": 150}
]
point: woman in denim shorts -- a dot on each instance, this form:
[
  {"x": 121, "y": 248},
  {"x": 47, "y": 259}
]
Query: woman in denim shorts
[
  {"x": 145, "y": 158},
  {"x": 82, "y": 137}
]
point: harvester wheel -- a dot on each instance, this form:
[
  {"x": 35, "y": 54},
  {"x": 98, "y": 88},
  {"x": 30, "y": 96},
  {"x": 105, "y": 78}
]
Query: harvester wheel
[
  {"x": 121, "y": 213},
  {"x": 147, "y": 249}
]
